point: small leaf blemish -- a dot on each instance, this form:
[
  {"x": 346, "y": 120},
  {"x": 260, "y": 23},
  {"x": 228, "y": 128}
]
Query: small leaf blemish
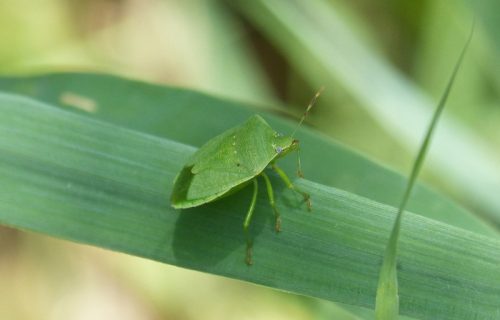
[{"x": 78, "y": 101}]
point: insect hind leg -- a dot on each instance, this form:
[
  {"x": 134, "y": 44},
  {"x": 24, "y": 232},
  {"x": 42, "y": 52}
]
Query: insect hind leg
[
  {"x": 246, "y": 223},
  {"x": 289, "y": 184},
  {"x": 270, "y": 194}
]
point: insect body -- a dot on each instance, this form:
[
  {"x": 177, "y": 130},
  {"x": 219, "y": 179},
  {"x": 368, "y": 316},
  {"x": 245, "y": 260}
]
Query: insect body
[{"x": 231, "y": 161}]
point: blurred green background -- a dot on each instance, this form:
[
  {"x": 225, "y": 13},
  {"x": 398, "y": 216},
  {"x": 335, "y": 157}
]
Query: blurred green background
[{"x": 268, "y": 53}]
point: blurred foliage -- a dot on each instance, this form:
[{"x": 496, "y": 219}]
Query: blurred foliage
[{"x": 213, "y": 46}]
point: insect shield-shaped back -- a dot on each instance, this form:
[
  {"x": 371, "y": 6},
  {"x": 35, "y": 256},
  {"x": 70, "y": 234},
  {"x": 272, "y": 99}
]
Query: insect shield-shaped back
[{"x": 227, "y": 161}]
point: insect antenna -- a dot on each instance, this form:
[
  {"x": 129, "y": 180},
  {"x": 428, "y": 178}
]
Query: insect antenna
[{"x": 311, "y": 104}]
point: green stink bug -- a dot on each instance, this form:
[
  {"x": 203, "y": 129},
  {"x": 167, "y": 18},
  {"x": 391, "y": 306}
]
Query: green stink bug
[{"x": 232, "y": 160}]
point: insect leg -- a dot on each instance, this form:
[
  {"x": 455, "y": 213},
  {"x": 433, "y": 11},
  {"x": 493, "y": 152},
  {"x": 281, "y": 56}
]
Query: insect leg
[
  {"x": 289, "y": 184},
  {"x": 246, "y": 223},
  {"x": 299, "y": 167},
  {"x": 270, "y": 193}
]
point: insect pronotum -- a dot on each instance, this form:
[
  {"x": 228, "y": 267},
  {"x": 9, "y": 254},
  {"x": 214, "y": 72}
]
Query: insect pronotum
[{"x": 234, "y": 159}]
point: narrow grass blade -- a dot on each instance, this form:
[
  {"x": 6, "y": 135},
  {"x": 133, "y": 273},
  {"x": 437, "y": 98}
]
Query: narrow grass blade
[{"x": 387, "y": 300}]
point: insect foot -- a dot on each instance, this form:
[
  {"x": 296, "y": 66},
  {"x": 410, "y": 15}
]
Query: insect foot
[
  {"x": 300, "y": 173},
  {"x": 277, "y": 225},
  {"x": 248, "y": 258},
  {"x": 307, "y": 199}
]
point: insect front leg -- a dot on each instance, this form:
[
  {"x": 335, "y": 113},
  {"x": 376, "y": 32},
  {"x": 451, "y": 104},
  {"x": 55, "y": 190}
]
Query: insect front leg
[
  {"x": 299, "y": 166},
  {"x": 270, "y": 193},
  {"x": 289, "y": 184},
  {"x": 246, "y": 223}
]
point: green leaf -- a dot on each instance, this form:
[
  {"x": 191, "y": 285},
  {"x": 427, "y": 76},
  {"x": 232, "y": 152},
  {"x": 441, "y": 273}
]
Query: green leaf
[
  {"x": 76, "y": 178},
  {"x": 387, "y": 300},
  {"x": 181, "y": 115}
]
